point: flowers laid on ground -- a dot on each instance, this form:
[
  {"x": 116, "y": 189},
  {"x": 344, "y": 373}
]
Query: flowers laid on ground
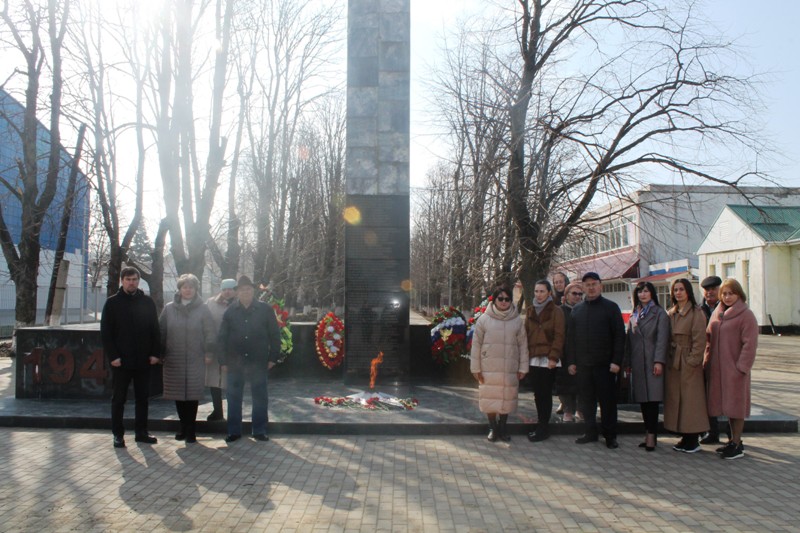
[
  {"x": 476, "y": 314},
  {"x": 330, "y": 341},
  {"x": 448, "y": 335},
  {"x": 284, "y": 325},
  {"x": 374, "y": 403}
]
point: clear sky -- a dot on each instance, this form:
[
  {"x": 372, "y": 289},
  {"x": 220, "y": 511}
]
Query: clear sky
[{"x": 766, "y": 32}]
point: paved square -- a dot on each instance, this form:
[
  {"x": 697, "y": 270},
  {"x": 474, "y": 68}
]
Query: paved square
[{"x": 70, "y": 480}]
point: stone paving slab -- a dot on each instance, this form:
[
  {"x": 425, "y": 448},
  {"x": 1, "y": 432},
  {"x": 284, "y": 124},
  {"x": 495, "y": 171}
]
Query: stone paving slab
[{"x": 69, "y": 480}]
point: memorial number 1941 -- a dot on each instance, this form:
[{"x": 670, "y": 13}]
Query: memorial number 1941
[{"x": 58, "y": 366}]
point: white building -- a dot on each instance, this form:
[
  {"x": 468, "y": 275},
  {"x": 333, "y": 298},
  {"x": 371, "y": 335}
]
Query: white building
[
  {"x": 654, "y": 234},
  {"x": 760, "y": 247}
]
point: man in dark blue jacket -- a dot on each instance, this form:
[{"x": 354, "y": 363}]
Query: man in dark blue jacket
[
  {"x": 250, "y": 344},
  {"x": 132, "y": 344},
  {"x": 595, "y": 347}
]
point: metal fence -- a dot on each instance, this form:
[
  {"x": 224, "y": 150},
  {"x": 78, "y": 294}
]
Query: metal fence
[{"x": 79, "y": 307}]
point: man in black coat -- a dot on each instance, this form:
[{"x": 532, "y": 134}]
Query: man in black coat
[
  {"x": 250, "y": 344},
  {"x": 595, "y": 347},
  {"x": 132, "y": 344}
]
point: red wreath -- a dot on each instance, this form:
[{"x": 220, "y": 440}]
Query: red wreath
[{"x": 330, "y": 341}]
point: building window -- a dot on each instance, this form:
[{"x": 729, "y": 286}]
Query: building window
[
  {"x": 729, "y": 270},
  {"x": 615, "y": 287},
  {"x": 712, "y": 269},
  {"x": 602, "y": 238},
  {"x": 663, "y": 296}
]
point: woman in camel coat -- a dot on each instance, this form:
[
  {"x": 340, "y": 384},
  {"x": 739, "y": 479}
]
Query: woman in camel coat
[
  {"x": 730, "y": 353},
  {"x": 498, "y": 360},
  {"x": 685, "y": 398}
]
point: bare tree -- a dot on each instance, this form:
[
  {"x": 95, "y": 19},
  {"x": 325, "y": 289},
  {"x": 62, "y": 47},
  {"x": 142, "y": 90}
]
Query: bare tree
[
  {"x": 290, "y": 48},
  {"x": 34, "y": 195},
  {"x": 108, "y": 51},
  {"x": 66, "y": 216},
  {"x": 605, "y": 92}
]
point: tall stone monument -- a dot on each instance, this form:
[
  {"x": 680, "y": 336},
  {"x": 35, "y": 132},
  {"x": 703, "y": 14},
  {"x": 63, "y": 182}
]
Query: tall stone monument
[{"x": 377, "y": 183}]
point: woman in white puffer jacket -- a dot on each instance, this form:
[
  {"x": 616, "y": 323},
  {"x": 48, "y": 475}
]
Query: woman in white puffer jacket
[{"x": 499, "y": 360}]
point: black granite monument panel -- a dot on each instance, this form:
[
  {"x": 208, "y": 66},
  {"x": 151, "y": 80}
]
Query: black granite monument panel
[
  {"x": 376, "y": 276},
  {"x": 364, "y": 242},
  {"x": 386, "y": 210},
  {"x": 388, "y": 274}
]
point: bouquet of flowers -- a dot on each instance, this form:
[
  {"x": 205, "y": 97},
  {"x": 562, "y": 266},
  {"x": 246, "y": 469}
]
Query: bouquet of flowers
[
  {"x": 284, "y": 325},
  {"x": 476, "y": 314},
  {"x": 330, "y": 341},
  {"x": 448, "y": 335},
  {"x": 374, "y": 403}
]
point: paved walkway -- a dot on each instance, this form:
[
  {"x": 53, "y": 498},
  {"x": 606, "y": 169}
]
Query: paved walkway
[
  {"x": 73, "y": 480},
  {"x": 69, "y": 480}
]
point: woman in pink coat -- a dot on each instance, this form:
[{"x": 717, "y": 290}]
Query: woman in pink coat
[{"x": 732, "y": 339}]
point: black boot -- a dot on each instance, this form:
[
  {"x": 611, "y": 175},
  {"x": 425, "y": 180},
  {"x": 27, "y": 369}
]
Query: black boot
[
  {"x": 493, "y": 430},
  {"x": 191, "y": 432},
  {"x": 216, "y": 401},
  {"x": 502, "y": 428}
]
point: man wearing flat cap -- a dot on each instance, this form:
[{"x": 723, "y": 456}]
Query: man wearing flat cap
[
  {"x": 710, "y": 286},
  {"x": 595, "y": 347},
  {"x": 249, "y": 345}
]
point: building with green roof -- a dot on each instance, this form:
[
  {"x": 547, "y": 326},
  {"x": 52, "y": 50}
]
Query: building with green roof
[{"x": 760, "y": 247}]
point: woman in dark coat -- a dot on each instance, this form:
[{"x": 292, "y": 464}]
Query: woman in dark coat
[
  {"x": 566, "y": 386},
  {"x": 646, "y": 348},
  {"x": 187, "y": 337},
  {"x": 685, "y": 401}
]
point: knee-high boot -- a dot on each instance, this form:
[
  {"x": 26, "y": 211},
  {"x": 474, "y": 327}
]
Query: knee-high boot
[
  {"x": 502, "y": 428},
  {"x": 493, "y": 429}
]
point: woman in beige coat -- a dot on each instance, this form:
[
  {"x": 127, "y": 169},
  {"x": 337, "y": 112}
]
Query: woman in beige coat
[
  {"x": 685, "y": 395},
  {"x": 215, "y": 376},
  {"x": 499, "y": 359}
]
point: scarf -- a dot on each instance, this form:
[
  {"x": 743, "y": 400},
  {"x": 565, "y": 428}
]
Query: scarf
[
  {"x": 639, "y": 313},
  {"x": 538, "y": 307},
  {"x": 499, "y": 313}
]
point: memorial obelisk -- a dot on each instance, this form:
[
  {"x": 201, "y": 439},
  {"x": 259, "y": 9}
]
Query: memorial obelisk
[{"x": 376, "y": 214}]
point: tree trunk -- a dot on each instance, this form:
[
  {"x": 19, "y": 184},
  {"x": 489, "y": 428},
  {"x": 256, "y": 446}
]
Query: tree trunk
[{"x": 65, "y": 219}]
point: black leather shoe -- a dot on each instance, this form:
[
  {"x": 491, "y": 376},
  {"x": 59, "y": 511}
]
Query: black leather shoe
[
  {"x": 492, "y": 436},
  {"x": 232, "y": 438},
  {"x": 710, "y": 439},
  {"x": 612, "y": 444},
  {"x": 262, "y": 437},
  {"x": 215, "y": 416},
  {"x": 586, "y": 439},
  {"x": 146, "y": 439},
  {"x": 538, "y": 436},
  {"x": 180, "y": 436},
  {"x": 191, "y": 439},
  {"x": 119, "y": 442}
]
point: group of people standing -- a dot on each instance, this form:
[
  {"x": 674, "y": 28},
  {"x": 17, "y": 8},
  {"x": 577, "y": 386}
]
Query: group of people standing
[
  {"x": 219, "y": 344},
  {"x": 693, "y": 359}
]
